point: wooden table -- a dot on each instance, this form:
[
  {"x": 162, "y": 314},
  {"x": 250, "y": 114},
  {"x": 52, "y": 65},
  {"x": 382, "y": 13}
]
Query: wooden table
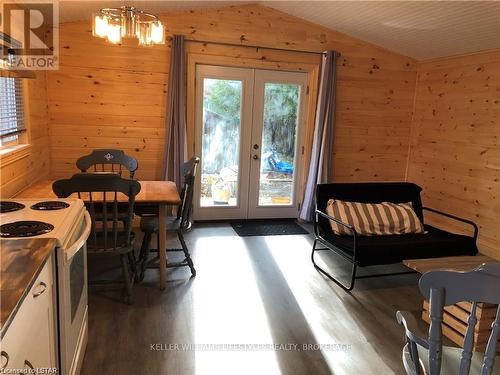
[
  {"x": 161, "y": 193},
  {"x": 455, "y": 316}
]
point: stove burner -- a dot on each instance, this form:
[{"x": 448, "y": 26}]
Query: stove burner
[
  {"x": 50, "y": 206},
  {"x": 9, "y": 206},
  {"x": 24, "y": 229}
]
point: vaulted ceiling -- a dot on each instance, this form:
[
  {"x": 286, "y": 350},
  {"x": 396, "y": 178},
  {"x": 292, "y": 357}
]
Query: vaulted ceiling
[{"x": 419, "y": 29}]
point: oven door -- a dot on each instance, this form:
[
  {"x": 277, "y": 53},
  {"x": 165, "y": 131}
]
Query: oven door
[{"x": 73, "y": 314}]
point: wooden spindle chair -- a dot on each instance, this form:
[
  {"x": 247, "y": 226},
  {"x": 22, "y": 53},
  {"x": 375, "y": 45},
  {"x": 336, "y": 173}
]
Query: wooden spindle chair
[
  {"x": 108, "y": 160},
  {"x": 445, "y": 288},
  {"x": 180, "y": 223},
  {"x": 111, "y": 232}
]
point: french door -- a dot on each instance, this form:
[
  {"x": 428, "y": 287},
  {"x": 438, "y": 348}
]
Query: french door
[{"x": 249, "y": 128}]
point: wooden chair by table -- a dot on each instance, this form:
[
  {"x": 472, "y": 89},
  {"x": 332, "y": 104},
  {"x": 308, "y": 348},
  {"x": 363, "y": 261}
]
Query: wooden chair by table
[
  {"x": 444, "y": 288},
  {"x": 108, "y": 160},
  {"x": 179, "y": 223},
  {"x": 111, "y": 232}
]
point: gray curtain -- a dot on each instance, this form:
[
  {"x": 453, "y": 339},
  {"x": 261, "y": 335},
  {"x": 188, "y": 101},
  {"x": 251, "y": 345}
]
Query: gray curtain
[
  {"x": 321, "y": 165},
  {"x": 175, "y": 138}
]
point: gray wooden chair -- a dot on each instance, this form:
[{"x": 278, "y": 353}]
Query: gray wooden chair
[
  {"x": 108, "y": 160},
  {"x": 179, "y": 223},
  {"x": 110, "y": 232},
  {"x": 444, "y": 288}
]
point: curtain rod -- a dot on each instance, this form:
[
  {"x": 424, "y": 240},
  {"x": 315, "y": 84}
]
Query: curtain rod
[{"x": 257, "y": 47}]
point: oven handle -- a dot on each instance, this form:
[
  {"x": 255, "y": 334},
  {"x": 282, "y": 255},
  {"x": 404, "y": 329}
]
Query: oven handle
[{"x": 78, "y": 244}]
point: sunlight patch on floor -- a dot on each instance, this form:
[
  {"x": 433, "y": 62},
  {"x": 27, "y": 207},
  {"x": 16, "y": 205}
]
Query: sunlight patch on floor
[
  {"x": 306, "y": 287},
  {"x": 232, "y": 313}
]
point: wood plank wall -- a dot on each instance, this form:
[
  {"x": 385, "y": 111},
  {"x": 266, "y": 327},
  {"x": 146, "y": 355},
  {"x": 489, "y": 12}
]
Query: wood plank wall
[
  {"x": 115, "y": 96},
  {"x": 106, "y": 96},
  {"x": 18, "y": 172},
  {"x": 455, "y": 146}
]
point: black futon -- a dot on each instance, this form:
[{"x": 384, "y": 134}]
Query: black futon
[{"x": 379, "y": 250}]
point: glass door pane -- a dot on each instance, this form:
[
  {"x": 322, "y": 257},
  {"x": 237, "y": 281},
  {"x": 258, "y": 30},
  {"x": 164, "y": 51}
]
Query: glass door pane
[
  {"x": 278, "y": 144},
  {"x": 248, "y": 133},
  {"x": 221, "y": 133},
  {"x": 277, "y": 133}
]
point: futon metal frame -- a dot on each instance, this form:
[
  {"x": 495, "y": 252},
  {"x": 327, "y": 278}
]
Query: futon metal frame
[{"x": 353, "y": 259}]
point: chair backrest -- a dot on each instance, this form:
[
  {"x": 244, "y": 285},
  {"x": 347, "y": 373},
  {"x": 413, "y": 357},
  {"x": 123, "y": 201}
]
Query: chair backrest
[
  {"x": 100, "y": 192},
  {"x": 443, "y": 288},
  {"x": 185, "y": 209},
  {"x": 368, "y": 192},
  {"x": 108, "y": 160}
]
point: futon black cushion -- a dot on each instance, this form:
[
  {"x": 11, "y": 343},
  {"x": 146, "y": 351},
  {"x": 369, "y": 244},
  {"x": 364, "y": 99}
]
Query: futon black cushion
[{"x": 377, "y": 250}]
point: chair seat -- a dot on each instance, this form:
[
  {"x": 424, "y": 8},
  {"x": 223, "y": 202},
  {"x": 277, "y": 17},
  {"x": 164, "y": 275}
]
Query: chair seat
[
  {"x": 377, "y": 250},
  {"x": 450, "y": 362},
  {"x": 146, "y": 209},
  {"x": 150, "y": 224},
  {"x": 122, "y": 246}
]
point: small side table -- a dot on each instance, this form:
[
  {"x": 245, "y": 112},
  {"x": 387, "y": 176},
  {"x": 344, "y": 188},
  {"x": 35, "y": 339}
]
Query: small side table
[{"x": 455, "y": 316}]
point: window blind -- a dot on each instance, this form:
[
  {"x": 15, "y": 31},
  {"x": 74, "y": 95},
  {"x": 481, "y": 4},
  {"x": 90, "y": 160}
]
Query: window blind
[{"x": 11, "y": 109}]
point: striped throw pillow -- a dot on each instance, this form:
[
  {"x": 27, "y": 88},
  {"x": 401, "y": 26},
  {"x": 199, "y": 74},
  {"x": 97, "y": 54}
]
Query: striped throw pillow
[{"x": 370, "y": 219}]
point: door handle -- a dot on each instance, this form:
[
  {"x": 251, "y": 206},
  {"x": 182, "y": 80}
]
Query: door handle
[
  {"x": 42, "y": 289},
  {"x": 5, "y": 360},
  {"x": 77, "y": 245},
  {"x": 255, "y": 157},
  {"x": 27, "y": 364}
]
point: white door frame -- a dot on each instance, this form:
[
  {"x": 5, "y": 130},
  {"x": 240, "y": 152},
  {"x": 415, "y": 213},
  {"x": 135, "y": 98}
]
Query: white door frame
[
  {"x": 261, "y": 78},
  {"x": 246, "y": 76},
  {"x": 252, "y": 109}
]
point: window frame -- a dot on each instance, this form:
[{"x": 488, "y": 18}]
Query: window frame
[
  {"x": 19, "y": 148},
  {"x": 16, "y": 134}
]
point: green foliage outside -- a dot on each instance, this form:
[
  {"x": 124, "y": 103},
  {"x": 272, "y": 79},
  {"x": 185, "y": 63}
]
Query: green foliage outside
[
  {"x": 224, "y": 99},
  {"x": 280, "y": 119},
  {"x": 280, "y": 113}
]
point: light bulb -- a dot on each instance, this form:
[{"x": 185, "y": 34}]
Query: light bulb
[
  {"x": 143, "y": 33},
  {"x": 100, "y": 26},
  {"x": 114, "y": 34},
  {"x": 157, "y": 34},
  {"x": 128, "y": 20}
]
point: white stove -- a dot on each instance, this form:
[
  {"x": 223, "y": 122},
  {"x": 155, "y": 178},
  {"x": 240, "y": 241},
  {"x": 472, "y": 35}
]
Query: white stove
[
  {"x": 62, "y": 219},
  {"x": 68, "y": 222}
]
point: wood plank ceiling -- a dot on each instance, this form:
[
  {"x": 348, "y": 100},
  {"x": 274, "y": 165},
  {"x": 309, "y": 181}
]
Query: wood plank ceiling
[{"x": 418, "y": 29}]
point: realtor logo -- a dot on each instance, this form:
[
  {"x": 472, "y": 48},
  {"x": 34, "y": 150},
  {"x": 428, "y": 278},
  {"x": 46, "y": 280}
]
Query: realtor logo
[{"x": 29, "y": 35}]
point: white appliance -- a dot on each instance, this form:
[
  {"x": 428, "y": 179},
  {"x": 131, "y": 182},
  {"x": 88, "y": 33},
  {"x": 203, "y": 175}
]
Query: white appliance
[{"x": 69, "y": 223}]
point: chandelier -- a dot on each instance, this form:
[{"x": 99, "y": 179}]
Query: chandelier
[{"x": 114, "y": 24}]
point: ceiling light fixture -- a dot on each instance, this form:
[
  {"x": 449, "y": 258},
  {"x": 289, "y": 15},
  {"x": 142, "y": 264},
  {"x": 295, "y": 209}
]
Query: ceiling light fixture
[{"x": 114, "y": 24}]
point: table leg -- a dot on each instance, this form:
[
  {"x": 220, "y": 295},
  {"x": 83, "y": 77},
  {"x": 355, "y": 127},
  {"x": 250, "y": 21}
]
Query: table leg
[{"x": 162, "y": 232}]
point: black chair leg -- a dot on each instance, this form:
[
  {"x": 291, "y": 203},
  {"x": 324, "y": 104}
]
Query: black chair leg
[
  {"x": 347, "y": 288},
  {"x": 132, "y": 263},
  {"x": 186, "y": 253},
  {"x": 144, "y": 256},
  {"x": 144, "y": 245},
  {"x": 126, "y": 277},
  {"x": 158, "y": 244}
]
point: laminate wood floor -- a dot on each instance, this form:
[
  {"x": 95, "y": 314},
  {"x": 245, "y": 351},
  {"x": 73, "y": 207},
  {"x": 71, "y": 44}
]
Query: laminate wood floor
[{"x": 250, "y": 293}]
